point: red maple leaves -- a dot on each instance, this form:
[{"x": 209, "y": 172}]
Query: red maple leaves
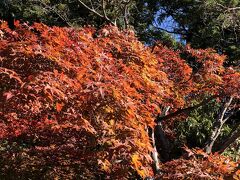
[{"x": 85, "y": 102}]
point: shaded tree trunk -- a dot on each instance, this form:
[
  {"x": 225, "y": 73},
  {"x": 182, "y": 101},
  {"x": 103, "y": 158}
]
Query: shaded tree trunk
[{"x": 162, "y": 143}]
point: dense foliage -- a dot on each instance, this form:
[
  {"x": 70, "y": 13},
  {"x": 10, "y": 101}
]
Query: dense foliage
[
  {"x": 77, "y": 103},
  {"x": 198, "y": 165}
]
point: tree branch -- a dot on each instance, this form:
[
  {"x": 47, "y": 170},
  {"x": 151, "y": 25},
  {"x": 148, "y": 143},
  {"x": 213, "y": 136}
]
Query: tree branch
[
  {"x": 125, "y": 14},
  {"x": 228, "y": 8},
  {"x": 171, "y": 32},
  {"x": 104, "y": 9},
  {"x": 91, "y": 4},
  {"x": 217, "y": 126},
  {"x": 96, "y": 13},
  {"x": 235, "y": 134},
  {"x": 56, "y": 12},
  {"x": 186, "y": 110}
]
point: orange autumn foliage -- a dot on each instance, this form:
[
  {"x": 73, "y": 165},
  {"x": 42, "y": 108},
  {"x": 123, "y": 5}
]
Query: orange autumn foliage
[
  {"x": 199, "y": 165},
  {"x": 74, "y": 104}
]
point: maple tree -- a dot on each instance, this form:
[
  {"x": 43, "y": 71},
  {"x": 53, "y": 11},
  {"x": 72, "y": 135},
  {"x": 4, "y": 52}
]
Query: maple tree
[{"x": 78, "y": 103}]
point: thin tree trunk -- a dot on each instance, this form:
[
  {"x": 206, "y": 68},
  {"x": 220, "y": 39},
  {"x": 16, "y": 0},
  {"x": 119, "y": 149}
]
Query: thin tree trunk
[
  {"x": 162, "y": 143},
  {"x": 155, "y": 155},
  {"x": 217, "y": 126},
  {"x": 159, "y": 142}
]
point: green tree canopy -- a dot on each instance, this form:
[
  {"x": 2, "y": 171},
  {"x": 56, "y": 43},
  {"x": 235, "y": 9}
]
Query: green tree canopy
[
  {"x": 204, "y": 24},
  {"x": 134, "y": 14}
]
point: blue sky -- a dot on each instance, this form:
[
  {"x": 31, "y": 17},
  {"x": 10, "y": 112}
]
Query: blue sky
[{"x": 168, "y": 24}]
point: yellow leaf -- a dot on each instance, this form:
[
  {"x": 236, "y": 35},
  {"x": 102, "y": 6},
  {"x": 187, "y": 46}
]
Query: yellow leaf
[
  {"x": 135, "y": 161},
  {"x": 137, "y": 165},
  {"x": 105, "y": 165},
  {"x": 112, "y": 122},
  {"x": 108, "y": 109}
]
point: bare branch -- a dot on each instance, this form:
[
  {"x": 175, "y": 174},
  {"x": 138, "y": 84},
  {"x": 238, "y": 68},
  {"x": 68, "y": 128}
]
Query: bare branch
[
  {"x": 91, "y": 4},
  {"x": 228, "y": 8},
  {"x": 229, "y": 115},
  {"x": 56, "y": 12},
  {"x": 186, "y": 110},
  {"x": 126, "y": 14},
  {"x": 171, "y": 32},
  {"x": 96, "y": 13},
  {"x": 233, "y": 136},
  {"x": 104, "y": 9},
  {"x": 217, "y": 126}
]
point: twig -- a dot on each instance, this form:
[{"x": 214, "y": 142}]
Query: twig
[
  {"x": 56, "y": 12},
  {"x": 95, "y": 12}
]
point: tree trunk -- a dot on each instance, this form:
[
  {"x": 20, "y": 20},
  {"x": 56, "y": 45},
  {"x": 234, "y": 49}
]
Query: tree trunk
[
  {"x": 162, "y": 143},
  {"x": 217, "y": 126},
  {"x": 155, "y": 155}
]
